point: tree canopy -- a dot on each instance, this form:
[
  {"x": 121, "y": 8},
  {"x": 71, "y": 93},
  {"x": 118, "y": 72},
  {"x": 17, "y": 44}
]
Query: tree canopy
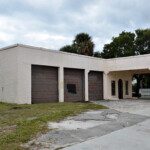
[
  {"x": 143, "y": 41},
  {"x": 97, "y": 54},
  {"x": 128, "y": 44},
  {"x": 125, "y": 44},
  {"x": 82, "y": 44},
  {"x": 69, "y": 49},
  {"x": 121, "y": 46}
]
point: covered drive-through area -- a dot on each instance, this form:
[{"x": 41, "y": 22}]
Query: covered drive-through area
[{"x": 120, "y": 84}]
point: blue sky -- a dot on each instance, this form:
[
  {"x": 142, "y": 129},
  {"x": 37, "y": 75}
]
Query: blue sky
[{"x": 54, "y": 23}]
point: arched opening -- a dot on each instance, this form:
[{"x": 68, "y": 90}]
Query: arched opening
[{"x": 120, "y": 89}]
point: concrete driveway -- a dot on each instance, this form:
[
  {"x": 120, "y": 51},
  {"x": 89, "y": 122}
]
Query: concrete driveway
[
  {"x": 136, "y": 137},
  {"x": 125, "y": 126},
  {"x": 141, "y": 107}
]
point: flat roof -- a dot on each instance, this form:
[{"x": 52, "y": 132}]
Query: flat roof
[
  {"x": 56, "y": 51},
  {"x": 50, "y": 50}
]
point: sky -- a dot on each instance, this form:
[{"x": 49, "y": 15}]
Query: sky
[{"x": 54, "y": 23}]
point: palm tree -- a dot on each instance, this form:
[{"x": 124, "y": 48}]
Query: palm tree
[
  {"x": 84, "y": 45},
  {"x": 81, "y": 45}
]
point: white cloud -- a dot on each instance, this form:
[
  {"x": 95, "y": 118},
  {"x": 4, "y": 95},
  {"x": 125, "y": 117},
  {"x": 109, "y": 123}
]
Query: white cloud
[
  {"x": 6, "y": 37},
  {"x": 19, "y": 31},
  {"x": 46, "y": 4},
  {"x": 47, "y": 40},
  {"x": 54, "y": 23},
  {"x": 99, "y": 43}
]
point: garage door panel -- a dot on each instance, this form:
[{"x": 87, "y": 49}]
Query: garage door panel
[
  {"x": 45, "y": 96},
  {"x": 44, "y": 84},
  {"x": 95, "y": 85},
  {"x": 74, "y": 77},
  {"x": 45, "y": 100},
  {"x": 47, "y": 90},
  {"x": 45, "y": 76}
]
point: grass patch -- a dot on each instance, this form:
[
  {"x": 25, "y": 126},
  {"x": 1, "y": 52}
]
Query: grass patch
[{"x": 20, "y": 123}]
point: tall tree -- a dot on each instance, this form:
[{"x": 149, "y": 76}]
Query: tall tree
[
  {"x": 143, "y": 41},
  {"x": 121, "y": 46},
  {"x": 82, "y": 44}
]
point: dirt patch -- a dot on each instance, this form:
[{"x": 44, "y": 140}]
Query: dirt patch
[{"x": 75, "y": 125}]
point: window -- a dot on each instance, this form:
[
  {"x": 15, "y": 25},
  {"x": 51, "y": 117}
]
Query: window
[
  {"x": 71, "y": 88},
  {"x": 127, "y": 91},
  {"x": 113, "y": 88}
]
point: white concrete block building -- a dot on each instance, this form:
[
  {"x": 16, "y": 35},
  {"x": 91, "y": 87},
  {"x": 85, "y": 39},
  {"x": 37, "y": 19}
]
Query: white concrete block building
[{"x": 37, "y": 75}]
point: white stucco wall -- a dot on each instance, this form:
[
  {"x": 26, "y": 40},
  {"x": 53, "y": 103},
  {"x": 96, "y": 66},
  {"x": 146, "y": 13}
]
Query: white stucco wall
[
  {"x": 8, "y": 75},
  {"x": 16, "y": 61},
  {"x": 115, "y": 76},
  {"x": 129, "y": 63},
  {"x": 28, "y": 56}
]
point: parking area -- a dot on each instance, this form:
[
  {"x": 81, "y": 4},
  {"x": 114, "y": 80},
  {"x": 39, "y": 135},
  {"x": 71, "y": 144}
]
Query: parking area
[
  {"x": 88, "y": 129},
  {"x": 134, "y": 137},
  {"x": 140, "y": 106}
]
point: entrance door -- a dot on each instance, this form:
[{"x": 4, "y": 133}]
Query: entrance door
[{"x": 120, "y": 89}]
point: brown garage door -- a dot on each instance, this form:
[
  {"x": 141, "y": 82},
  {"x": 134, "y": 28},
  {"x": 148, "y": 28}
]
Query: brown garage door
[
  {"x": 95, "y": 85},
  {"x": 44, "y": 84},
  {"x": 74, "y": 89}
]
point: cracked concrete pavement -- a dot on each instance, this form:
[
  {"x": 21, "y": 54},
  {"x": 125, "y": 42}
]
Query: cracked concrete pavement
[
  {"x": 79, "y": 132},
  {"x": 141, "y": 107},
  {"x": 136, "y": 137}
]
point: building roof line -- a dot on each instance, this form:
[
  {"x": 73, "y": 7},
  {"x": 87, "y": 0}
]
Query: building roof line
[
  {"x": 50, "y": 50},
  {"x": 61, "y": 52}
]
